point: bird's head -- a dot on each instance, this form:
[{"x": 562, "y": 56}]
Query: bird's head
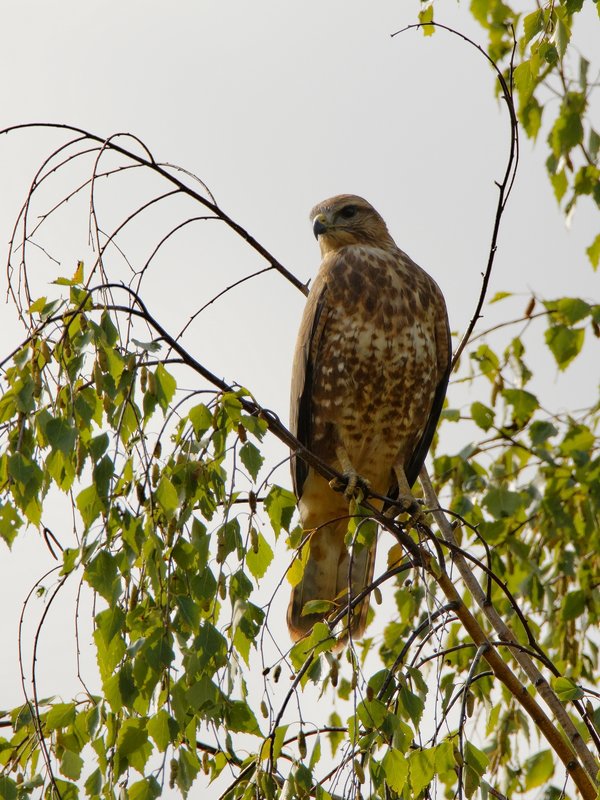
[{"x": 345, "y": 220}]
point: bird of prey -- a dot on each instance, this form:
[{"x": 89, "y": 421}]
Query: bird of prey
[{"x": 369, "y": 376}]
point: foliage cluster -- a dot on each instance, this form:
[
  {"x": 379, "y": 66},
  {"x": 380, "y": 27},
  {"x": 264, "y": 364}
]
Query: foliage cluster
[{"x": 552, "y": 79}]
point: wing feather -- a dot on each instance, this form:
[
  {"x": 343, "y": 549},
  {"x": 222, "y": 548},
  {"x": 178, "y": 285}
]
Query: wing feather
[{"x": 307, "y": 349}]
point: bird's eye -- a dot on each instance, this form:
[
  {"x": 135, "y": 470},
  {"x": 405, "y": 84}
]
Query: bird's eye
[{"x": 348, "y": 212}]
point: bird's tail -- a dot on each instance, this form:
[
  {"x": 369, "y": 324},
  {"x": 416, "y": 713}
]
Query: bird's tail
[{"x": 327, "y": 578}]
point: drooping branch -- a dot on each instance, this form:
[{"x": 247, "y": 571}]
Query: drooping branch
[
  {"x": 505, "y": 185},
  {"x": 506, "y": 635}
]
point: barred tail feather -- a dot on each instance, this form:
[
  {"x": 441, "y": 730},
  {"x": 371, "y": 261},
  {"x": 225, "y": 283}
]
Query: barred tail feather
[{"x": 326, "y": 577}]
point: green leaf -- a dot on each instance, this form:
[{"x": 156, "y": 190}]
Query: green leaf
[
  {"x": 574, "y": 605},
  {"x": 395, "y": 767},
  {"x": 89, "y": 505},
  {"x": 566, "y": 689},
  {"x": 146, "y": 789},
  {"x": 533, "y": 24},
  {"x": 568, "y": 310},
  {"x": 71, "y": 765},
  {"x": 251, "y": 458},
  {"x": 240, "y": 718},
  {"x": 422, "y": 769},
  {"x": 319, "y": 641},
  {"x": 524, "y": 81},
  {"x": 566, "y": 133},
  {"x": 8, "y": 788},
  {"x": 565, "y": 343},
  {"x": 502, "y": 502},
  {"x": 593, "y": 144},
  {"x": 482, "y": 416},
  {"x": 317, "y": 607},
  {"x": 163, "y": 729},
  {"x": 523, "y": 405},
  {"x": 277, "y": 741},
  {"x": 66, "y": 790},
  {"x": 531, "y": 117},
  {"x": 201, "y": 419},
  {"x": 258, "y": 560},
  {"x": 165, "y": 387},
  {"x": 476, "y": 763},
  {"x": 10, "y": 522},
  {"x": 372, "y": 713},
  {"x": 500, "y": 296},
  {"x": 132, "y": 736},
  {"x": 111, "y": 333},
  {"x": 426, "y": 18},
  {"x": 593, "y": 251},
  {"x": 280, "y": 505},
  {"x": 335, "y": 737},
  {"x": 538, "y": 770},
  {"x": 540, "y": 431},
  {"x": 61, "y": 715},
  {"x": 93, "y": 784},
  {"x": 167, "y": 497},
  {"x": 102, "y": 575}
]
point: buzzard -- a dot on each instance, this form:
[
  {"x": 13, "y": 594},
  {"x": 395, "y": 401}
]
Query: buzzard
[{"x": 369, "y": 377}]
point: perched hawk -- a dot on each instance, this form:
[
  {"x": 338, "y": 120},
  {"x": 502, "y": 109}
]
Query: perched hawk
[{"x": 370, "y": 372}]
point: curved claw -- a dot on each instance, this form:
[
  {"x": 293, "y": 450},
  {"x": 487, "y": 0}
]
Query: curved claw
[{"x": 352, "y": 485}]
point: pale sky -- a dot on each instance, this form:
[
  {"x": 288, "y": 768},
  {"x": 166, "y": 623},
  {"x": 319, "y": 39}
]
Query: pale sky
[{"x": 277, "y": 106}]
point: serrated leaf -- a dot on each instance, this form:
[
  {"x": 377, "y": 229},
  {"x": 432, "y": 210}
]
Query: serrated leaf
[
  {"x": 167, "y": 497},
  {"x": 475, "y": 766},
  {"x": 132, "y": 736},
  {"x": 102, "y": 575},
  {"x": 524, "y": 81},
  {"x": 37, "y": 305},
  {"x": 523, "y": 405},
  {"x": 165, "y": 387},
  {"x": 565, "y": 343},
  {"x": 566, "y": 689},
  {"x": 258, "y": 562},
  {"x": 422, "y": 770},
  {"x": 201, "y": 419},
  {"x": 146, "y": 789},
  {"x": 71, "y": 765},
  {"x": 10, "y": 522},
  {"x": 280, "y": 505},
  {"x": 60, "y": 716},
  {"x": 482, "y": 416},
  {"x": 239, "y": 718},
  {"x": 533, "y": 24},
  {"x": 252, "y": 458},
  {"x": 395, "y": 767},
  {"x": 163, "y": 729}
]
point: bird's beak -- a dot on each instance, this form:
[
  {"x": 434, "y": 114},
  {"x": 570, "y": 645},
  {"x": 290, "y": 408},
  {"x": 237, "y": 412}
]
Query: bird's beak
[{"x": 319, "y": 225}]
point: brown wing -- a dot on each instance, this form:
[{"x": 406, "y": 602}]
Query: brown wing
[{"x": 307, "y": 346}]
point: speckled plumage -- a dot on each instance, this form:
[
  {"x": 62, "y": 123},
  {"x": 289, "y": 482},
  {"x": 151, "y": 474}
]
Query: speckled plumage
[{"x": 368, "y": 381}]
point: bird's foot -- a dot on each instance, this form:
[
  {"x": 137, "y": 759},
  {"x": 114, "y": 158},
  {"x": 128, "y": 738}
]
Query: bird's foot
[
  {"x": 352, "y": 485},
  {"x": 415, "y": 509}
]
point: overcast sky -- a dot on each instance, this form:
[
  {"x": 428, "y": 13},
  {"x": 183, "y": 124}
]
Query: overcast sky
[{"x": 276, "y": 106}]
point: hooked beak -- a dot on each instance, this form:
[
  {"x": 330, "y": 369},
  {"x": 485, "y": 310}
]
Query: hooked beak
[{"x": 319, "y": 225}]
